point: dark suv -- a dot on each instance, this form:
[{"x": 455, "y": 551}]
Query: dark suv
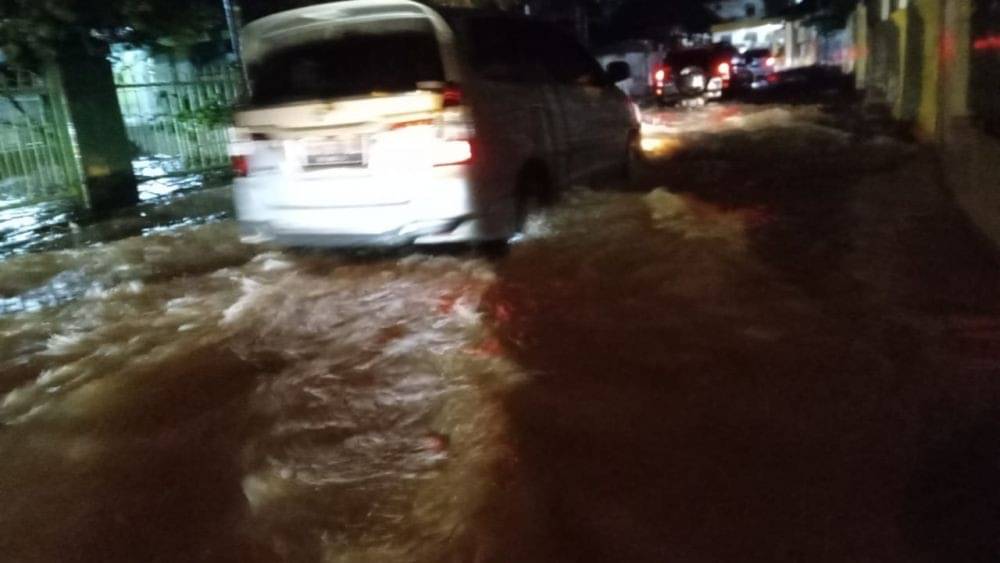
[
  {"x": 695, "y": 74},
  {"x": 755, "y": 70}
]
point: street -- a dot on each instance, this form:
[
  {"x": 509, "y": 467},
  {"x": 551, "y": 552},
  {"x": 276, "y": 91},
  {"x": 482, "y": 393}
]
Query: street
[{"x": 780, "y": 345}]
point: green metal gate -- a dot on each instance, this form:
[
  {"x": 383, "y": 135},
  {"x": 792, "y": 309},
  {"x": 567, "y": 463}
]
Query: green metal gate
[
  {"x": 37, "y": 157},
  {"x": 178, "y": 124}
]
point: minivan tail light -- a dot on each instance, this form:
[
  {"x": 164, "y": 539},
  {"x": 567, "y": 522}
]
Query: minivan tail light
[
  {"x": 451, "y": 152},
  {"x": 724, "y": 70},
  {"x": 451, "y": 96},
  {"x": 413, "y": 123},
  {"x": 240, "y": 165},
  {"x": 446, "y": 138},
  {"x": 455, "y": 138}
]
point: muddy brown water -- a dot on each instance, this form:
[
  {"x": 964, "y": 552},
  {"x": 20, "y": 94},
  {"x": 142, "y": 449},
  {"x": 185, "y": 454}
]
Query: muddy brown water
[{"x": 788, "y": 352}]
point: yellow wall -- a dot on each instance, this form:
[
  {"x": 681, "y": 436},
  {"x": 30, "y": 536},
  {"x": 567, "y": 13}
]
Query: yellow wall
[
  {"x": 927, "y": 112},
  {"x": 955, "y": 64},
  {"x": 859, "y": 29},
  {"x": 929, "y": 85},
  {"x": 916, "y": 98},
  {"x": 900, "y": 20}
]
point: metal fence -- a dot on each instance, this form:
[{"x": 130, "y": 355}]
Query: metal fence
[
  {"x": 177, "y": 117},
  {"x": 37, "y": 156}
]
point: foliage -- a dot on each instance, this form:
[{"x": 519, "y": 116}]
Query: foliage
[
  {"x": 216, "y": 113},
  {"x": 826, "y": 15},
  {"x": 32, "y": 31},
  {"x": 254, "y": 9}
]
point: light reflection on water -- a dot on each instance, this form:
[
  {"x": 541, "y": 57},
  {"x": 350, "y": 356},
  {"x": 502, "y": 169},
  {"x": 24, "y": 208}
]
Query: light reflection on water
[
  {"x": 30, "y": 227},
  {"x": 207, "y": 397},
  {"x": 177, "y": 392},
  {"x": 182, "y": 396}
]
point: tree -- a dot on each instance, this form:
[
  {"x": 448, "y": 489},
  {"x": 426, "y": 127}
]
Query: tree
[
  {"x": 33, "y": 31},
  {"x": 254, "y": 9},
  {"x": 74, "y": 36},
  {"x": 654, "y": 18},
  {"x": 826, "y": 15}
]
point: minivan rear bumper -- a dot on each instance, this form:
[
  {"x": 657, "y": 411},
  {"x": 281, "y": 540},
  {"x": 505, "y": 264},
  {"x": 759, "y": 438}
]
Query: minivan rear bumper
[
  {"x": 436, "y": 231},
  {"x": 440, "y": 206}
]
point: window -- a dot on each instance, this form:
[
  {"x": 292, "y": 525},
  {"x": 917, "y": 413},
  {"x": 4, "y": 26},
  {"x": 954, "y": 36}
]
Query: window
[
  {"x": 493, "y": 52},
  {"x": 751, "y": 10},
  {"x": 563, "y": 59},
  {"x": 350, "y": 65},
  {"x": 502, "y": 49}
]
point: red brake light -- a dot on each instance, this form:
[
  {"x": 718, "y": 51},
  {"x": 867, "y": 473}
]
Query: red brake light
[
  {"x": 451, "y": 96},
  {"x": 240, "y": 165},
  {"x": 724, "y": 70},
  {"x": 661, "y": 75},
  {"x": 413, "y": 123}
]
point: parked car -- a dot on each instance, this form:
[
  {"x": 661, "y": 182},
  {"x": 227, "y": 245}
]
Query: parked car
[
  {"x": 695, "y": 74},
  {"x": 755, "y": 69},
  {"x": 377, "y": 122}
]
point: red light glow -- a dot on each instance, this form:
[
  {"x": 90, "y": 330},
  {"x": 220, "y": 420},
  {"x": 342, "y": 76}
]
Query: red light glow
[
  {"x": 240, "y": 165},
  {"x": 988, "y": 43},
  {"x": 415, "y": 123},
  {"x": 451, "y": 97}
]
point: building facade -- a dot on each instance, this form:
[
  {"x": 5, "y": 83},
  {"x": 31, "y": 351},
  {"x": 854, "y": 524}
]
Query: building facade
[
  {"x": 935, "y": 64},
  {"x": 728, "y": 10}
]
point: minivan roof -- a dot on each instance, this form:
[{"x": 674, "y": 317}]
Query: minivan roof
[{"x": 328, "y": 17}]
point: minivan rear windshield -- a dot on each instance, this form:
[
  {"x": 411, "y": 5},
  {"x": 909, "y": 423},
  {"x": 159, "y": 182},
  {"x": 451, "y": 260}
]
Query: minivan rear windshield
[{"x": 348, "y": 65}]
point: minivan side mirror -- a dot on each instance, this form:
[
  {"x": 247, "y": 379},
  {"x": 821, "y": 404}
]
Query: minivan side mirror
[{"x": 618, "y": 71}]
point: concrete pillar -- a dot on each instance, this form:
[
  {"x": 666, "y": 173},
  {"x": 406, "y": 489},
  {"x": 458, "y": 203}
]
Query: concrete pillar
[
  {"x": 104, "y": 149},
  {"x": 861, "y": 51},
  {"x": 789, "y": 43},
  {"x": 955, "y": 59}
]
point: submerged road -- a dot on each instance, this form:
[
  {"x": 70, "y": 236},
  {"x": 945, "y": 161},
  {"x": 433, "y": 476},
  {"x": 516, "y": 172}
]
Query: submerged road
[{"x": 783, "y": 345}]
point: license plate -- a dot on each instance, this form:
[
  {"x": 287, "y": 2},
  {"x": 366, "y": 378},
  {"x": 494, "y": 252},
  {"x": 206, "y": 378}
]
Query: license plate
[
  {"x": 336, "y": 151},
  {"x": 331, "y": 159}
]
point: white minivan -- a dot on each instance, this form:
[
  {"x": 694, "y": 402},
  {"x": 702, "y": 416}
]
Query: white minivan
[{"x": 387, "y": 122}]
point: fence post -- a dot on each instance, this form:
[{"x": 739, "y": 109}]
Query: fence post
[
  {"x": 104, "y": 149},
  {"x": 72, "y": 171}
]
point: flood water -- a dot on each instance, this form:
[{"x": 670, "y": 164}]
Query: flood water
[{"x": 782, "y": 346}]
